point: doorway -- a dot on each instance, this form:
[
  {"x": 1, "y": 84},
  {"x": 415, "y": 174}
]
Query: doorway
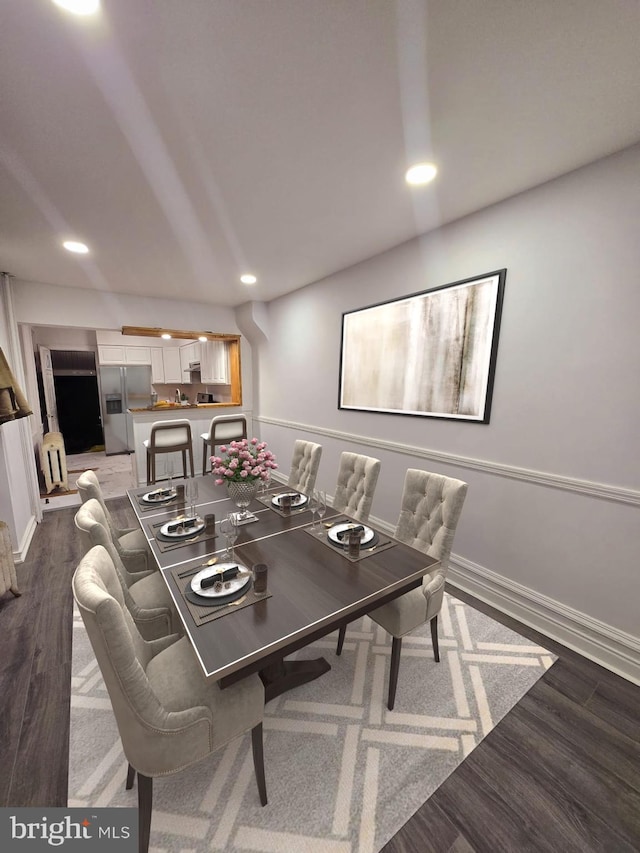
[{"x": 77, "y": 400}]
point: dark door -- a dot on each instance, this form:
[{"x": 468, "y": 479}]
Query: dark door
[{"x": 79, "y": 413}]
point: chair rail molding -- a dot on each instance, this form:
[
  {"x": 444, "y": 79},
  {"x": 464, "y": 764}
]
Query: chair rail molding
[
  {"x": 616, "y": 650},
  {"x": 605, "y": 491}
]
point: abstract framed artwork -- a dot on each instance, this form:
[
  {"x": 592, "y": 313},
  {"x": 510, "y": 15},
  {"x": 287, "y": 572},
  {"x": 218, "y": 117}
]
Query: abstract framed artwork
[{"x": 431, "y": 354}]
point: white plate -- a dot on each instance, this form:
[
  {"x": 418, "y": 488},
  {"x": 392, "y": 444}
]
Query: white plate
[
  {"x": 347, "y": 525},
  {"x": 234, "y": 585},
  {"x": 153, "y": 498},
  {"x": 297, "y": 500},
  {"x": 181, "y": 533}
]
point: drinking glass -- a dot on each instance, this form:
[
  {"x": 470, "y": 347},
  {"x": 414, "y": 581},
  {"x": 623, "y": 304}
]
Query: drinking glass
[
  {"x": 168, "y": 467},
  {"x": 321, "y": 497},
  {"x": 191, "y": 494},
  {"x": 229, "y": 529},
  {"x": 313, "y": 508}
]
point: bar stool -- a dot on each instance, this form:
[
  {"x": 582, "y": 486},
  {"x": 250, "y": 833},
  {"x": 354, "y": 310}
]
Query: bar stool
[
  {"x": 223, "y": 428},
  {"x": 168, "y": 437}
]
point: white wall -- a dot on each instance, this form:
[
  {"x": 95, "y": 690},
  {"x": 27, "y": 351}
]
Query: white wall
[{"x": 551, "y": 518}]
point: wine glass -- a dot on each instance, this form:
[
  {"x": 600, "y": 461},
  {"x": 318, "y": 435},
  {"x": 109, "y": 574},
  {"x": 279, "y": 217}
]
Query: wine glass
[
  {"x": 229, "y": 529},
  {"x": 321, "y": 498},
  {"x": 313, "y": 508},
  {"x": 168, "y": 468},
  {"x": 191, "y": 495}
]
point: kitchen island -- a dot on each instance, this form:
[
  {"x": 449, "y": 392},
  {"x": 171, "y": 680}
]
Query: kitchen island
[{"x": 199, "y": 415}]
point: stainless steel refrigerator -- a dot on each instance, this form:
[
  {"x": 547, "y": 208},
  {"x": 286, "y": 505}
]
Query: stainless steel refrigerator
[{"x": 122, "y": 388}]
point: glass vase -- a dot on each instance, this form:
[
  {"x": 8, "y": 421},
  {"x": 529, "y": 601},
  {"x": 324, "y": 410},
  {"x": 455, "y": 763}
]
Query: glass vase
[{"x": 242, "y": 493}]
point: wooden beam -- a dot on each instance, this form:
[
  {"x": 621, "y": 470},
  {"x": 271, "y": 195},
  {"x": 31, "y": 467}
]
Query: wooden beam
[{"x": 180, "y": 334}]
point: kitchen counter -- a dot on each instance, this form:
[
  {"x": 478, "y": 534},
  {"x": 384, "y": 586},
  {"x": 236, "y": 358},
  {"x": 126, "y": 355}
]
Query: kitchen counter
[
  {"x": 174, "y": 407},
  {"x": 199, "y": 415}
]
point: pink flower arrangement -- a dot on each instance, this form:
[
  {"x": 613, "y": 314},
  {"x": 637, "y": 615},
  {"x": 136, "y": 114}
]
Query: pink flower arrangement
[{"x": 245, "y": 461}]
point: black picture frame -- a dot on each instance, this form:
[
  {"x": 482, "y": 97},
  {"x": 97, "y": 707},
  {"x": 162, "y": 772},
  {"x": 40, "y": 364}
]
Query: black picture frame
[{"x": 427, "y": 354}]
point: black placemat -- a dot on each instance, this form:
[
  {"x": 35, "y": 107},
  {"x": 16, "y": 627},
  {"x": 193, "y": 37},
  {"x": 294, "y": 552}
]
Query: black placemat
[
  {"x": 295, "y": 510},
  {"x": 201, "y": 613}
]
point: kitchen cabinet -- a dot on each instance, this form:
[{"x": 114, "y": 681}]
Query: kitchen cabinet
[
  {"x": 189, "y": 354},
  {"x": 214, "y": 363},
  {"x": 137, "y": 355},
  {"x": 111, "y": 355},
  {"x": 157, "y": 365},
  {"x": 172, "y": 365}
]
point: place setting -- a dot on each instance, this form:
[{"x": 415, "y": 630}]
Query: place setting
[
  {"x": 160, "y": 498},
  {"x": 286, "y": 503},
  {"x": 186, "y": 528},
  {"x": 222, "y": 584},
  {"x": 353, "y": 539}
]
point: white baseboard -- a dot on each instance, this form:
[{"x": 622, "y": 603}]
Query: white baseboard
[
  {"x": 613, "y": 649},
  {"x": 20, "y": 555}
]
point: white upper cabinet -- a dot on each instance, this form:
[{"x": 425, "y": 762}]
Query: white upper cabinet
[
  {"x": 111, "y": 355},
  {"x": 172, "y": 365},
  {"x": 214, "y": 363},
  {"x": 188, "y": 354},
  {"x": 137, "y": 355},
  {"x": 157, "y": 365}
]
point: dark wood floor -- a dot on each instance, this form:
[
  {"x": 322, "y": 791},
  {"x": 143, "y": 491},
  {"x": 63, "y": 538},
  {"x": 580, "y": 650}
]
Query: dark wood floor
[{"x": 561, "y": 772}]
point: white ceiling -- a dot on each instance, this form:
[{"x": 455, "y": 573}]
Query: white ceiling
[{"x": 188, "y": 141}]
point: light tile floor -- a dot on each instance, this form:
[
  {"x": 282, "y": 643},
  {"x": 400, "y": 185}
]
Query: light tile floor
[{"x": 115, "y": 474}]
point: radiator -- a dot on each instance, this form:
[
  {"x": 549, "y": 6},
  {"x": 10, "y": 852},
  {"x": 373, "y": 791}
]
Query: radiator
[
  {"x": 53, "y": 461},
  {"x": 7, "y": 566}
]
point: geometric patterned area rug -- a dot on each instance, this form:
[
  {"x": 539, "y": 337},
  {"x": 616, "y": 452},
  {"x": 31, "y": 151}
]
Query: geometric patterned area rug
[{"x": 343, "y": 772}]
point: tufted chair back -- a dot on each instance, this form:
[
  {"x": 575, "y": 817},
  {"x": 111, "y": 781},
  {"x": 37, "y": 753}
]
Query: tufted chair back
[
  {"x": 304, "y": 466},
  {"x": 357, "y": 479},
  {"x": 429, "y": 513}
]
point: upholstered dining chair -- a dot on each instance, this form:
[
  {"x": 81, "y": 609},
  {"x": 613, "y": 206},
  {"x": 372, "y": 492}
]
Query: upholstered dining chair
[
  {"x": 429, "y": 514},
  {"x": 304, "y": 466},
  {"x": 145, "y": 594},
  {"x": 357, "y": 479},
  {"x": 169, "y": 437},
  {"x": 130, "y": 542},
  {"x": 168, "y": 715},
  {"x": 222, "y": 429}
]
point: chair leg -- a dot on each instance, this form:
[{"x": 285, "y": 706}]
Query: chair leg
[
  {"x": 434, "y": 638},
  {"x": 204, "y": 457},
  {"x": 131, "y": 775},
  {"x": 258, "y": 762},
  {"x": 148, "y": 468},
  {"x": 184, "y": 464},
  {"x": 145, "y": 802},
  {"x": 341, "y": 634},
  {"x": 190, "y": 449},
  {"x": 396, "y": 647}
]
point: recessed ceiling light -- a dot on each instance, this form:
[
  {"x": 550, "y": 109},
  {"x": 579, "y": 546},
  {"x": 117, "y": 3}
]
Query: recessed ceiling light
[
  {"x": 166, "y": 336},
  {"x": 203, "y": 338},
  {"x": 421, "y": 173},
  {"x": 79, "y": 7},
  {"x": 248, "y": 279},
  {"x": 73, "y": 246}
]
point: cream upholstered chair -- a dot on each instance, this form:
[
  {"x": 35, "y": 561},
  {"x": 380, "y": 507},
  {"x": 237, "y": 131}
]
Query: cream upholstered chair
[
  {"x": 222, "y": 429},
  {"x": 169, "y": 715},
  {"x": 304, "y": 466},
  {"x": 169, "y": 437},
  {"x": 145, "y": 594},
  {"x": 429, "y": 515},
  {"x": 357, "y": 479},
  {"x": 130, "y": 542}
]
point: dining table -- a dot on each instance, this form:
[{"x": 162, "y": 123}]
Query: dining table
[{"x": 313, "y": 585}]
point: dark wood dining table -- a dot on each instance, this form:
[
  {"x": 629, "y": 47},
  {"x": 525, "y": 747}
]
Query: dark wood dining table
[{"x": 313, "y": 587}]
